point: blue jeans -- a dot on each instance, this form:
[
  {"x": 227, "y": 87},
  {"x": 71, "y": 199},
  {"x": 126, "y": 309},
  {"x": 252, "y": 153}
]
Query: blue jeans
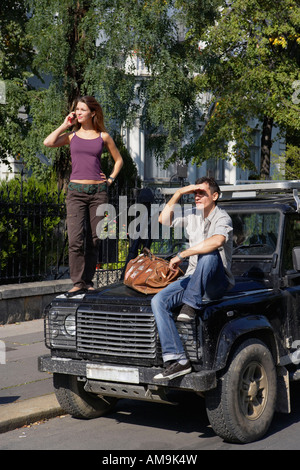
[{"x": 208, "y": 280}]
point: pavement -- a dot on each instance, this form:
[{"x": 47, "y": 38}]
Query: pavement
[{"x": 26, "y": 395}]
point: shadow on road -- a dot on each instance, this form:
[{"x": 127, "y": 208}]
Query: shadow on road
[{"x": 187, "y": 416}]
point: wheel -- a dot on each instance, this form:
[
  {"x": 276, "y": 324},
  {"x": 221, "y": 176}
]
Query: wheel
[
  {"x": 242, "y": 406},
  {"x": 76, "y": 401}
]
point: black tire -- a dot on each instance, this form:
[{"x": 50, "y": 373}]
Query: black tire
[
  {"x": 242, "y": 406},
  {"x": 75, "y": 401}
]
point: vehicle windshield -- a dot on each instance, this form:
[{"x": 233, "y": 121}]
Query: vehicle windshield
[{"x": 255, "y": 233}]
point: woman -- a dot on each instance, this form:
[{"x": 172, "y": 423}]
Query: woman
[{"x": 87, "y": 187}]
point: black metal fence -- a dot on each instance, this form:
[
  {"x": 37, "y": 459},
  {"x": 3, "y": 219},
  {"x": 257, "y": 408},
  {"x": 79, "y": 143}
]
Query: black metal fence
[
  {"x": 33, "y": 242},
  {"x": 33, "y": 236}
]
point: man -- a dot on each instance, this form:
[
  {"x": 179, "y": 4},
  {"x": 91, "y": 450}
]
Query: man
[{"x": 208, "y": 274}]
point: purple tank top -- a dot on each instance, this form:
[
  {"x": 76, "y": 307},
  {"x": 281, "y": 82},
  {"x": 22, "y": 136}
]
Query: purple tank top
[{"x": 86, "y": 158}]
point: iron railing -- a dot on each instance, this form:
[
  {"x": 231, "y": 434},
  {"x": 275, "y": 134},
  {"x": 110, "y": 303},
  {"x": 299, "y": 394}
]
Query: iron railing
[
  {"x": 33, "y": 243},
  {"x": 33, "y": 234}
]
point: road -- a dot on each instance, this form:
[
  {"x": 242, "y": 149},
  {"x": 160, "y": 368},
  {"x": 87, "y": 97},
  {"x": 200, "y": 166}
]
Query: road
[
  {"x": 19, "y": 376},
  {"x": 146, "y": 426},
  {"x": 133, "y": 426}
]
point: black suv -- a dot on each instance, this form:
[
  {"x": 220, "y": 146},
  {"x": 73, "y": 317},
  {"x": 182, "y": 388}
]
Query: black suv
[{"x": 243, "y": 347}]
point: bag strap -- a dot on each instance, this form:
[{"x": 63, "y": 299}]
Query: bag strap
[{"x": 148, "y": 253}]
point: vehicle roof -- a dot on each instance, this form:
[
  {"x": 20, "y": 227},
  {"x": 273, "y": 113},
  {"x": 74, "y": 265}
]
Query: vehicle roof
[
  {"x": 265, "y": 195},
  {"x": 282, "y": 203}
]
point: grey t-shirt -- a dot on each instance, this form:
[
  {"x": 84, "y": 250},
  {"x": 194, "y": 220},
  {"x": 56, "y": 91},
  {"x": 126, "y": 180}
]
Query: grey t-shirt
[{"x": 198, "y": 229}]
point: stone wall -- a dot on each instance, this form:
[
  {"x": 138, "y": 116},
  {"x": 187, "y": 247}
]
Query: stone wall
[{"x": 22, "y": 302}]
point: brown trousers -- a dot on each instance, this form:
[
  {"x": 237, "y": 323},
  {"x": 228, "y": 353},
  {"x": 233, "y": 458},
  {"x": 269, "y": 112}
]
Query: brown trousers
[{"x": 83, "y": 241}]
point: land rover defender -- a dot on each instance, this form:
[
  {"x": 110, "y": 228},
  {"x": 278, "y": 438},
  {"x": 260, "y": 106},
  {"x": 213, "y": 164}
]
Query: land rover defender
[{"x": 243, "y": 347}]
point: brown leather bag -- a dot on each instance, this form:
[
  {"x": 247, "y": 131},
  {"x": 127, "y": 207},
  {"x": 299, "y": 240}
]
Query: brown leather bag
[{"x": 149, "y": 274}]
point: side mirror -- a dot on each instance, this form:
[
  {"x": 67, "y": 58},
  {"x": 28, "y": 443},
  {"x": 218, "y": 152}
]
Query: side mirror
[{"x": 296, "y": 258}]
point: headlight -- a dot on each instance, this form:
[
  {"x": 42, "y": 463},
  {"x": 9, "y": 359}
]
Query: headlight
[
  {"x": 70, "y": 325},
  {"x": 60, "y": 327}
]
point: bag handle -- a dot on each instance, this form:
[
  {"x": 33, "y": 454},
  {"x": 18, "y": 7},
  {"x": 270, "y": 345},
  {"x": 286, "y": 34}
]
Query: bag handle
[{"x": 148, "y": 253}]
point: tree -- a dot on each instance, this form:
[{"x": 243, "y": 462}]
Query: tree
[
  {"x": 168, "y": 95},
  {"x": 250, "y": 61},
  {"x": 16, "y": 54},
  {"x": 66, "y": 37},
  {"x": 243, "y": 58},
  {"x": 86, "y": 46}
]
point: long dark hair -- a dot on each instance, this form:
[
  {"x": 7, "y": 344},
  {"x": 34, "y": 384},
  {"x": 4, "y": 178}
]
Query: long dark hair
[{"x": 94, "y": 106}]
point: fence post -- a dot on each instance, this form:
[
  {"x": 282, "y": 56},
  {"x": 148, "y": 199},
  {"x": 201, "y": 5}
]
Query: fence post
[{"x": 20, "y": 227}]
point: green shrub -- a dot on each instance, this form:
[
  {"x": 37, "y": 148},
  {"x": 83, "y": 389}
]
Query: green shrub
[{"x": 32, "y": 229}]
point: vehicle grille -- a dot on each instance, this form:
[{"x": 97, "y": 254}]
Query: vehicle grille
[{"x": 117, "y": 333}]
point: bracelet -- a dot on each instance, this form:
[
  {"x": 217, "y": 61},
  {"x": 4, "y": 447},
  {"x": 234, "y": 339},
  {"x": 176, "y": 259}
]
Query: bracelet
[
  {"x": 180, "y": 257},
  {"x": 111, "y": 178}
]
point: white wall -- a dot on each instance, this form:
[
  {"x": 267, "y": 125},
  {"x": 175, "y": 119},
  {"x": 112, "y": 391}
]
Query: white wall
[{"x": 9, "y": 172}]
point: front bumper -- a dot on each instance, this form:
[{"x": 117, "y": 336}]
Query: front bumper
[{"x": 102, "y": 377}]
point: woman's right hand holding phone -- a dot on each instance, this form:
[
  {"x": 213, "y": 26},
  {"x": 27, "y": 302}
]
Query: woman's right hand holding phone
[{"x": 70, "y": 119}]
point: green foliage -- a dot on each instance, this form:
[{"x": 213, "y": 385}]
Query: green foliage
[
  {"x": 66, "y": 35},
  {"x": 30, "y": 232},
  {"x": 128, "y": 176},
  {"x": 215, "y": 63},
  {"x": 292, "y": 163},
  {"x": 15, "y": 47},
  {"x": 47, "y": 111},
  {"x": 288, "y": 163},
  {"x": 16, "y": 52},
  {"x": 251, "y": 59}
]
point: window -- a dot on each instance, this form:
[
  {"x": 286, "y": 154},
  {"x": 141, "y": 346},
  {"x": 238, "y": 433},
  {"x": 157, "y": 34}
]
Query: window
[
  {"x": 291, "y": 239},
  {"x": 254, "y": 149},
  {"x": 255, "y": 233},
  {"x": 215, "y": 169}
]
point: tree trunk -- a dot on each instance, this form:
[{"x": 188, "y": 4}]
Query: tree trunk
[
  {"x": 74, "y": 75},
  {"x": 266, "y": 145},
  {"x": 74, "y": 72}
]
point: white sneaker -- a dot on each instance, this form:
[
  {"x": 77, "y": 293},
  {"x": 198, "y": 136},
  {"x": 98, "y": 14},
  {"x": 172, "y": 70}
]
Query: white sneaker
[
  {"x": 186, "y": 314},
  {"x": 175, "y": 369}
]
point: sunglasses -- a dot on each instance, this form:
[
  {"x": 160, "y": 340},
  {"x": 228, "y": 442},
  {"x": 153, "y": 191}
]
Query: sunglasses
[{"x": 200, "y": 192}]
